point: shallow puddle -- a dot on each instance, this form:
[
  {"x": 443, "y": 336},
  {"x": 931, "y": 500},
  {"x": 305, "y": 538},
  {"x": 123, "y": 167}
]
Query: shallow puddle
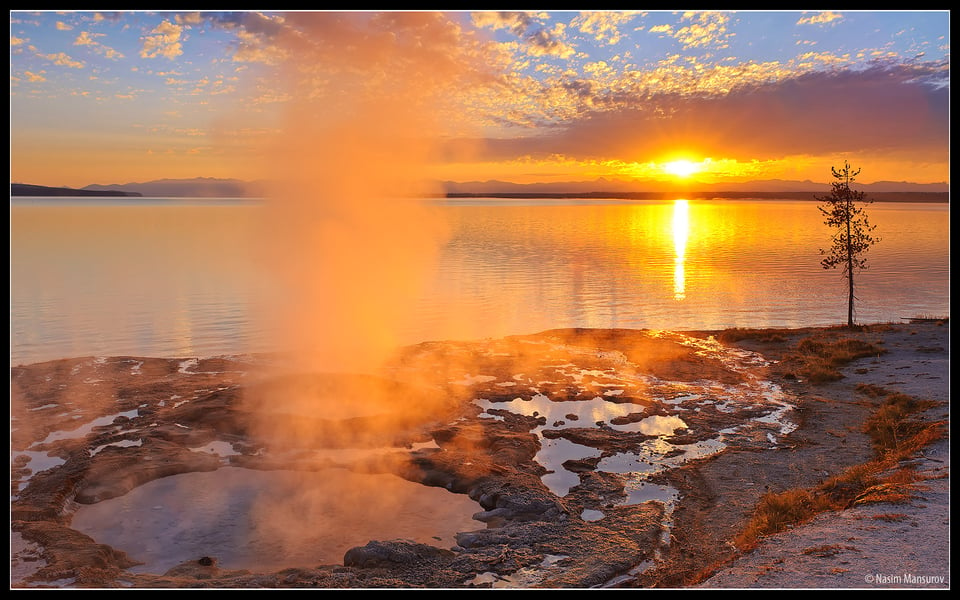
[
  {"x": 268, "y": 520},
  {"x": 765, "y": 407}
]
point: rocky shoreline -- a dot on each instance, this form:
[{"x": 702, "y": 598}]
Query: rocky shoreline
[{"x": 716, "y": 425}]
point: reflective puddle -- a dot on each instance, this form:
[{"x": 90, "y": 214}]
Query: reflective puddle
[
  {"x": 765, "y": 408},
  {"x": 756, "y": 413},
  {"x": 270, "y": 520}
]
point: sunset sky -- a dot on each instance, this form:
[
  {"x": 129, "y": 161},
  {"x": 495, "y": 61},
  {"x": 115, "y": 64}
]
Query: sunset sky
[{"x": 719, "y": 97}]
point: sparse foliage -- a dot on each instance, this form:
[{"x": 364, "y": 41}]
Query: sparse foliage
[{"x": 844, "y": 210}]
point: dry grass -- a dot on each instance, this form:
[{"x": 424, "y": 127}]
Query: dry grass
[
  {"x": 818, "y": 359},
  {"x": 890, "y": 517},
  {"x": 891, "y": 492},
  {"x": 736, "y": 334},
  {"x": 861, "y": 484},
  {"x": 892, "y": 429},
  {"x": 896, "y": 436},
  {"x": 779, "y": 511},
  {"x": 871, "y": 390}
]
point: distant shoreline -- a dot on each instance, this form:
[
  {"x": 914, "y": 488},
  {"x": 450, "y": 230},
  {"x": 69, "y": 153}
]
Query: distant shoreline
[
  {"x": 22, "y": 190},
  {"x": 933, "y": 197}
]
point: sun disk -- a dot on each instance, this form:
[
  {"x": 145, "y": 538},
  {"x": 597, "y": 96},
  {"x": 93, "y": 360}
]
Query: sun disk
[{"x": 681, "y": 168}]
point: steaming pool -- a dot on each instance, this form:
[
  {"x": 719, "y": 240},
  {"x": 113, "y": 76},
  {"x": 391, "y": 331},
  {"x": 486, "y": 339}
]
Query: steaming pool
[{"x": 269, "y": 520}]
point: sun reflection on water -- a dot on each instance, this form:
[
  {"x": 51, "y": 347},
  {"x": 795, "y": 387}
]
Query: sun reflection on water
[{"x": 681, "y": 231}]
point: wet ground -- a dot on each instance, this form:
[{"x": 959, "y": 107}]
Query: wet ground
[{"x": 571, "y": 458}]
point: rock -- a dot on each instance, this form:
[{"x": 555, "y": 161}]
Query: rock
[
  {"x": 377, "y": 554},
  {"x": 204, "y": 568},
  {"x": 115, "y": 471},
  {"x": 581, "y": 465},
  {"x": 602, "y": 437},
  {"x": 493, "y": 517}
]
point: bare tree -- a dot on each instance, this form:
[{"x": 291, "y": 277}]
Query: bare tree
[{"x": 843, "y": 209}]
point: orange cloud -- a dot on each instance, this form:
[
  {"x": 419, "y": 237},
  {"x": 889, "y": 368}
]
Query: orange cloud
[
  {"x": 820, "y": 18},
  {"x": 63, "y": 60},
  {"x": 538, "y": 38},
  {"x": 707, "y": 29},
  {"x": 164, "y": 41},
  {"x": 606, "y": 26},
  {"x": 85, "y": 39},
  {"x": 256, "y": 48},
  {"x": 897, "y": 109}
]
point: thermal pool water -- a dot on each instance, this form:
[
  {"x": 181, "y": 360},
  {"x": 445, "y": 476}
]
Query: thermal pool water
[{"x": 265, "y": 521}]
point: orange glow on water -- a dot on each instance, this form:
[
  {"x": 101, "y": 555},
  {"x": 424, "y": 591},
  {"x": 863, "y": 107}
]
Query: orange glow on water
[{"x": 681, "y": 231}]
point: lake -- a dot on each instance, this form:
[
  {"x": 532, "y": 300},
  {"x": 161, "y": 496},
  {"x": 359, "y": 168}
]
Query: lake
[{"x": 176, "y": 278}]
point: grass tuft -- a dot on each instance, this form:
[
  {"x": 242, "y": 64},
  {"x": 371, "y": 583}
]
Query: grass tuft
[
  {"x": 778, "y": 511},
  {"x": 736, "y": 334},
  {"x": 896, "y": 436},
  {"x": 892, "y": 429},
  {"x": 819, "y": 359},
  {"x": 872, "y": 390}
]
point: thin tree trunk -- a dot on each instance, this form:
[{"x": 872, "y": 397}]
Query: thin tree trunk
[
  {"x": 849, "y": 265},
  {"x": 850, "y": 297}
]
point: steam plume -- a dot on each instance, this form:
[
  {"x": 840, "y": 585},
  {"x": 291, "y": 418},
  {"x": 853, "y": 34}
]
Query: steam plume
[
  {"x": 347, "y": 239},
  {"x": 346, "y": 242}
]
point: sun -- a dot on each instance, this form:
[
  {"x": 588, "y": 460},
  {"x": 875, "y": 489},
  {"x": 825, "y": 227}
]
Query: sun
[{"x": 681, "y": 168}]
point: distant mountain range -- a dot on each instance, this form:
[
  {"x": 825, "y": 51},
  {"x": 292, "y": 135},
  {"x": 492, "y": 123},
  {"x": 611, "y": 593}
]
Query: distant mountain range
[
  {"x": 199, "y": 187},
  {"x": 209, "y": 187}
]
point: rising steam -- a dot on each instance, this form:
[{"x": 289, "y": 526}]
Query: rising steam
[{"x": 348, "y": 240}]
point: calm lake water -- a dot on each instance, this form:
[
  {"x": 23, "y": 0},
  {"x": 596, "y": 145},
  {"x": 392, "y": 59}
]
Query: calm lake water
[{"x": 174, "y": 278}]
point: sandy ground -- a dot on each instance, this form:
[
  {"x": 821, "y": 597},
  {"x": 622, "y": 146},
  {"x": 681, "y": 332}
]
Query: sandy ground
[{"x": 902, "y": 545}]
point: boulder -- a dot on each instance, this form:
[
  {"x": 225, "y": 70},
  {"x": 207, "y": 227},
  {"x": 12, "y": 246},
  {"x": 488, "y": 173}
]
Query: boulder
[{"x": 377, "y": 554}]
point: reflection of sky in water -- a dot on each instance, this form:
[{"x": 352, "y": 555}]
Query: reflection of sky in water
[
  {"x": 586, "y": 412},
  {"x": 82, "y": 431},
  {"x": 554, "y": 452},
  {"x": 654, "y": 455},
  {"x": 653, "y": 425},
  {"x": 191, "y": 288},
  {"x": 38, "y": 461},
  {"x": 644, "y": 491},
  {"x": 253, "y": 519},
  {"x": 681, "y": 231}
]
